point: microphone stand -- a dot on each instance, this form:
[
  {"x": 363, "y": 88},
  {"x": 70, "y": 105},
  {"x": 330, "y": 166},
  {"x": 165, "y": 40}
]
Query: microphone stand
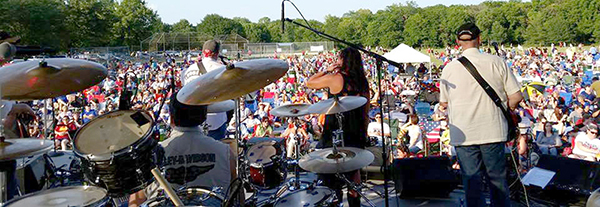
[{"x": 379, "y": 59}]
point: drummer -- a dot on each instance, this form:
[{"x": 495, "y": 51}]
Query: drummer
[
  {"x": 192, "y": 159},
  {"x": 210, "y": 53}
]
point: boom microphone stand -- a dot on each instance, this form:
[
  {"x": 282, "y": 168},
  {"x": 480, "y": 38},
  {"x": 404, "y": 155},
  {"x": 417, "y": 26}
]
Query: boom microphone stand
[{"x": 379, "y": 60}]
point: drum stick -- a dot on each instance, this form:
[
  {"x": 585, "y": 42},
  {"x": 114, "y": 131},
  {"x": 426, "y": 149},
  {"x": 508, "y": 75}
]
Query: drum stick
[{"x": 165, "y": 186}]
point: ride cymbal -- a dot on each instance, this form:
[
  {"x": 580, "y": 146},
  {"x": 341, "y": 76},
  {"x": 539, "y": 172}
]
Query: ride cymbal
[
  {"x": 222, "y": 84},
  {"x": 49, "y": 78}
]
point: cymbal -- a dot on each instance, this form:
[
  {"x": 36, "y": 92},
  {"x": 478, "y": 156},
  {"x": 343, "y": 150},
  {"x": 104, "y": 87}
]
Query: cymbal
[
  {"x": 31, "y": 80},
  {"x": 347, "y": 159},
  {"x": 222, "y": 84},
  {"x": 333, "y": 106},
  {"x": 221, "y": 106},
  {"x": 61, "y": 196},
  {"x": 12, "y": 149},
  {"x": 291, "y": 110}
]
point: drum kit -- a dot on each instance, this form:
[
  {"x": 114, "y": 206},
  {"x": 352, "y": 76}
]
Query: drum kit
[
  {"x": 118, "y": 151},
  {"x": 265, "y": 157}
]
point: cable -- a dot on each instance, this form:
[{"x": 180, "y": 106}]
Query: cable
[
  {"x": 519, "y": 177},
  {"x": 299, "y": 12}
]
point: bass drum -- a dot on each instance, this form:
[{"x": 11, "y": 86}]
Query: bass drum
[
  {"x": 317, "y": 196},
  {"x": 117, "y": 151},
  {"x": 189, "y": 197},
  {"x": 265, "y": 160}
]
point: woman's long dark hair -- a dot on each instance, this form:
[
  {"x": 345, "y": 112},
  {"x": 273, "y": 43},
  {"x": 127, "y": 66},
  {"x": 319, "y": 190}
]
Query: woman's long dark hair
[{"x": 354, "y": 73}]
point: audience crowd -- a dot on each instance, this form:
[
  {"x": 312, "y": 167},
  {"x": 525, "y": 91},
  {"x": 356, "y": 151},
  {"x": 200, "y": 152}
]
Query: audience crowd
[{"x": 559, "y": 114}]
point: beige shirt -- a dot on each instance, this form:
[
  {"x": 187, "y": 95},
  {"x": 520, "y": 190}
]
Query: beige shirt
[{"x": 473, "y": 117}]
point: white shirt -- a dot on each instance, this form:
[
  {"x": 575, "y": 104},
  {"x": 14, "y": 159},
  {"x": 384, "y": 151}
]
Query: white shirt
[
  {"x": 589, "y": 143},
  {"x": 473, "y": 117},
  {"x": 414, "y": 132},
  {"x": 214, "y": 120},
  {"x": 375, "y": 128}
]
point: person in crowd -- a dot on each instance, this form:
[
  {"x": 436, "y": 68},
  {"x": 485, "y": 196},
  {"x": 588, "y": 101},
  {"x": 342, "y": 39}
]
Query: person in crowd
[
  {"x": 548, "y": 141},
  {"x": 61, "y": 133},
  {"x": 188, "y": 140},
  {"x": 587, "y": 145},
  {"x": 478, "y": 129},
  {"x": 413, "y": 132},
  {"x": 345, "y": 77},
  {"x": 264, "y": 129},
  {"x": 374, "y": 130},
  {"x": 88, "y": 114}
]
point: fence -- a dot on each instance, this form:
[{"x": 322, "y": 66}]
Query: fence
[{"x": 269, "y": 49}]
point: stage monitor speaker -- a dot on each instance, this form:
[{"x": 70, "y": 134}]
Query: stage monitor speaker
[
  {"x": 572, "y": 175},
  {"x": 424, "y": 177}
]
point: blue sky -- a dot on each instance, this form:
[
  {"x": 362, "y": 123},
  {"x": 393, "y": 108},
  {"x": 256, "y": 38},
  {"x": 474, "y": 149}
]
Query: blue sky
[{"x": 172, "y": 11}]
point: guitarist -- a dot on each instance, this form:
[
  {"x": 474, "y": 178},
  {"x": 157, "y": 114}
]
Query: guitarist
[{"x": 478, "y": 127}]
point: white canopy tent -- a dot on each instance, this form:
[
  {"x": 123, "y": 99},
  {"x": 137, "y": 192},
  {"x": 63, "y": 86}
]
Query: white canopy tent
[{"x": 406, "y": 54}]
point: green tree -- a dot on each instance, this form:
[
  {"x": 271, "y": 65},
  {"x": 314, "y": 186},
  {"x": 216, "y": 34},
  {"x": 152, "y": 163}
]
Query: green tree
[
  {"x": 183, "y": 25},
  {"x": 38, "y": 22},
  {"x": 90, "y": 22},
  {"x": 136, "y": 22},
  {"x": 214, "y": 25}
]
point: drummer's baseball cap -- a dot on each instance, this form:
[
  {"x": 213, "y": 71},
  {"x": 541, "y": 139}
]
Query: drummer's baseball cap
[{"x": 468, "y": 29}]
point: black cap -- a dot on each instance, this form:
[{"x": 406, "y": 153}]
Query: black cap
[
  {"x": 5, "y": 37},
  {"x": 211, "y": 45},
  {"x": 468, "y": 29},
  {"x": 186, "y": 115}
]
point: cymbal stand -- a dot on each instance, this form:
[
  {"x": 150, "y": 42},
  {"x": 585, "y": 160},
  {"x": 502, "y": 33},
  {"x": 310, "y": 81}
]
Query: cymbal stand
[
  {"x": 338, "y": 134},
  {"x": 296, "y": 184},
  {"x": 356, "y": 187},
  {"x": 3, "y": 172}
]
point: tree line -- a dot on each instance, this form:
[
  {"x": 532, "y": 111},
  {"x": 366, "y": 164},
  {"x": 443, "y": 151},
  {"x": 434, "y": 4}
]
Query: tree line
[{"x": 86, "y": 23}]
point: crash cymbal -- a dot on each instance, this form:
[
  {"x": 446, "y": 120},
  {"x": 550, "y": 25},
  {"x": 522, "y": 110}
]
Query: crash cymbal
[
  {"x": 291, "y": 110},
  {"x": 333, "y": 106},
  {"x": 49, "y": 78},
  {"x": 347, "y": 159},
  {"x": 61, "y": 196},
  {"x": 223, "y": 84},
  {"x": 12, "y": 149},
  {"x": 221, "y": 106}
]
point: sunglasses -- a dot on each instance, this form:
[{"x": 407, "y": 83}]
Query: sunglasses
[{"x": 594, "y": 132}]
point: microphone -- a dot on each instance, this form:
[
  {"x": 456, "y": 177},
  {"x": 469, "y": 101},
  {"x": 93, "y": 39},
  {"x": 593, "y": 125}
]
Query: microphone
[
  {"x": 8, "y": 50},
  {"x": 228, "y": 65},
  {"x": 282, "y": 17}
]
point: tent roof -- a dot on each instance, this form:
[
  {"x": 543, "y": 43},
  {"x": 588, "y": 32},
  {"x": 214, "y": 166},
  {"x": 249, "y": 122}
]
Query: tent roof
[{"x": 406, "y": 54}]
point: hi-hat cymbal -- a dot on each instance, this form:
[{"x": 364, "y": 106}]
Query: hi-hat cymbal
[
  {"x": 291, "y": 110},
  {"x": 12, "y": 149},
  {"x": 62, "y": 196},
  {"x": 325, "y": 161},
  {"x": 31, "y": 80},
  {"x": 221, "y": 106},
  {"x": 222, "y": 84},
  {"x": 333, "y": 106}
]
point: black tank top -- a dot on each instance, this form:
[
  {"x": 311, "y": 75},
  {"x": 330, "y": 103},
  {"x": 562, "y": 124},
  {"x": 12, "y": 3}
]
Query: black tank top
[{"x": 354, "y": 122}]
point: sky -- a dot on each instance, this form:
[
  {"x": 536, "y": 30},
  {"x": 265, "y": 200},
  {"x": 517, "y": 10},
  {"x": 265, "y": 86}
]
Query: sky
[{"x": 171, "y": 11}]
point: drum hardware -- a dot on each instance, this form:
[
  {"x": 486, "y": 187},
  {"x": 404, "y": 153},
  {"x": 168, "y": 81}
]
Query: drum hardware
[
  {"x": 355, "y": 187},
  {"x": 166, "y": 187}
]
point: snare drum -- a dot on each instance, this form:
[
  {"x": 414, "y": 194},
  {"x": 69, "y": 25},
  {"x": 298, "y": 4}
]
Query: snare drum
[
  {"x": 63, "y": 196},
  {"x": 265, "y": 160},
  {"x": 317, "y": 196},
  {"x": 189, "y": 197},
  {"x": 116, "y": 151}
]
